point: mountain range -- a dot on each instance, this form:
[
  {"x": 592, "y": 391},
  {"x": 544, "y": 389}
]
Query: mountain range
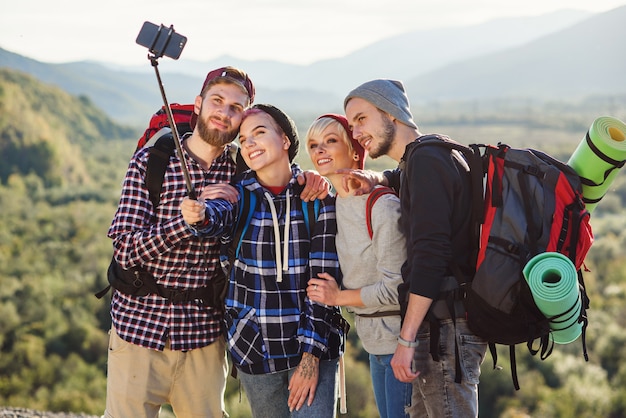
[{"x": 563, "y": 55}]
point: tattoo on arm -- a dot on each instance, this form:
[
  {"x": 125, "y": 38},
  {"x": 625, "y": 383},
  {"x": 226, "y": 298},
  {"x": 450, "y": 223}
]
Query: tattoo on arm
[{"x": 308, "y": 366}]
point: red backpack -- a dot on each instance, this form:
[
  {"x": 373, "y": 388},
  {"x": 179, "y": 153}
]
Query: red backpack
[
  {"x": 369, "y": 204},
  {"x": 529, "y": 204},
  {"x": 533, "y": 205},
  {"x": 182, "y": 117}
]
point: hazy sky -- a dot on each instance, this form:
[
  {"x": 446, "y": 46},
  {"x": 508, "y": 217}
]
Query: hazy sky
[{"x": 293, "y": 31}]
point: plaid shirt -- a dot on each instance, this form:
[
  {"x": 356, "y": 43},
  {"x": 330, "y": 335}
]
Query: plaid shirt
[
  {"x": 270, "y": 324},
  {"x": 161, "y": 242}
]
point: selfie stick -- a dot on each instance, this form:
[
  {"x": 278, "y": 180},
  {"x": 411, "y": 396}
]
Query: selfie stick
[
  {"x": 190, "y": 191},
  {"x": 153, "y": 57}
]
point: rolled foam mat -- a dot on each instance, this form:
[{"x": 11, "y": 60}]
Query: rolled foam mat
[
  {"x": 553, "y": 281},
  {"x": 598, "y": 158}
]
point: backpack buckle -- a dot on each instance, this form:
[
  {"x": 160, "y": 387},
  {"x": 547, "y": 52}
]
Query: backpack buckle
[
  {"x": 532, "y": 170},
  {"x": 137, "y": 282},
  {"x": 175, "y": 295},
  {"x": 461, "y": 291}
]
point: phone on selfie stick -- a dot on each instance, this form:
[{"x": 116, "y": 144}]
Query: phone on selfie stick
[{"x": 164, "y": 41}]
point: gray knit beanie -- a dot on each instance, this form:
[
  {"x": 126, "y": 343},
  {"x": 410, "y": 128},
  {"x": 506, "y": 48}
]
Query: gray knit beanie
[{"x": 387, "y": 95}]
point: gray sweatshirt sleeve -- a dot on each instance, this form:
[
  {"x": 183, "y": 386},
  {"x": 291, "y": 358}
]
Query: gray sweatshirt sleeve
[{"x": 389, "y": 248}]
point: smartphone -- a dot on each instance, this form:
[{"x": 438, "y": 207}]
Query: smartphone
[{"x": 161, "y": 40}]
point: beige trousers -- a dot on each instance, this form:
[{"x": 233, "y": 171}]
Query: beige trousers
[{"x": 140, "y": 380}]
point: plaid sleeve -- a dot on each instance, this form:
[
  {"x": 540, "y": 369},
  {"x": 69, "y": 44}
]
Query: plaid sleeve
[
  {"x": 137, "y": 239},
  {"x": 219, "y": 218},
  {"x": 319, "y": 328},
  {"x": 323, "y": 254}
]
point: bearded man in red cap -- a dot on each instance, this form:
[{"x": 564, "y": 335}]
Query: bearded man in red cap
[{"x": 166, "y": 344}]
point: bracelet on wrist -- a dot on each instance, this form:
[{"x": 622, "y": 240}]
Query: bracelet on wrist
[{"x": 410, "y": 344}]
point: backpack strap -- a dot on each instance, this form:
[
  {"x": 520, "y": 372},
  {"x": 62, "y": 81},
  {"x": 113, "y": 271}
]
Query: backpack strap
[
  {"x": 158, "y": 160},
  {"x": 513, "y": 366},
  {"x": 583, "y": 313},
  {"x": 458, "y": 372},
  {"x": 310, "y": 210},
  {"x": 159, "y": 157},
  {"x": 473, "y": 160},
  {"x": 247, "y": 204},
  {"x": 138, "y": 282},
  {"x": 369, "y": 205},
  {"x": 230, "y": 251},
  {"x": 240, "y": 164},
  {"x": 476, "y": 164},
  {"x": 615, "y": 165}
]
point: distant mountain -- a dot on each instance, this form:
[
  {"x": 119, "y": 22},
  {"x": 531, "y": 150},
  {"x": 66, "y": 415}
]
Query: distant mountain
[
  {"x": 419, "y": 52},
  {"x": 546, "y": 55},
  {"x": 403, "y": 56},
  {"x": 124, "y": 95},
  {"x": 583, "y": 60}
]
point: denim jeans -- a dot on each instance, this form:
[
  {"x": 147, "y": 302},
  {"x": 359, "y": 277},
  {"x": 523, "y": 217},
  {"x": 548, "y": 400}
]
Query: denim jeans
[
  {"x": 435, "y": 393},
  {"x": 268, "y": 393},
  {"x": 393, "y": 398}
]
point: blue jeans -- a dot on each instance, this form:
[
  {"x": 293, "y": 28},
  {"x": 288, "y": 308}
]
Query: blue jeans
[
  {"x": 268, "y": 393},
  {"x": 393, "y": 398},
  {"x": 435, "y": 393}
]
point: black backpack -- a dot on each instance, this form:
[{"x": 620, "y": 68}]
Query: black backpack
[{"x": 525, "y": 203}]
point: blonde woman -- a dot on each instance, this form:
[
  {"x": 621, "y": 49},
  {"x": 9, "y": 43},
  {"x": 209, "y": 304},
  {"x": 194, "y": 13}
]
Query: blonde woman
[{"x": 370, "y": 267}]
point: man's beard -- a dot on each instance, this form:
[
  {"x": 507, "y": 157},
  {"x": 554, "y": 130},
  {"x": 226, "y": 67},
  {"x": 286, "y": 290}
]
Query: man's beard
[
  {"x": 213, "y": 136},
  {"x": 387, "y": 135}
]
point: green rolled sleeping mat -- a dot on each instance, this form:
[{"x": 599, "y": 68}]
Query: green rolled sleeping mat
[
  {"x": 598, "y": 158},
  {"x": 553, "y": 282}
]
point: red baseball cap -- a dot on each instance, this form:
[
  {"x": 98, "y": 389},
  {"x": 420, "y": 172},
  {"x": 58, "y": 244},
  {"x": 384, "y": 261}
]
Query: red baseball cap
[{"x": 231, "y": 74}]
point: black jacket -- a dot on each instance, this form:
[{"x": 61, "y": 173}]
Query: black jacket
[{"x": 435, "y": 195}]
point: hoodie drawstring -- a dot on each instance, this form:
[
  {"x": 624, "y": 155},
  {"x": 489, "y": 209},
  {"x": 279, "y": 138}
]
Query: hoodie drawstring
[
  {"x": 279, "y": 260},
  {"x": 286, "y": 237}
]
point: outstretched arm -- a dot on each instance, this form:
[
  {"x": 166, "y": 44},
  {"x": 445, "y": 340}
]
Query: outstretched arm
[
  {"x": 315, "y": 186},
  {"x": 324, "y": 289},
  {"x": 361, "y": 181},
  {"x": 208, "y": 218},
  {"x": 220, "y": 191},
  {"x": 193, "y": 211}
]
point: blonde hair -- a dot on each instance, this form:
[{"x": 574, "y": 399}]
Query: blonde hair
[{"x": 317, "y": 128}]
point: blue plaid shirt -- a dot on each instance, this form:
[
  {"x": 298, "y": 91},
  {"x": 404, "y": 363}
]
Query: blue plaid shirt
[
  {"x": 160, "y": 241},
  {"x": 269, "y": 324}
]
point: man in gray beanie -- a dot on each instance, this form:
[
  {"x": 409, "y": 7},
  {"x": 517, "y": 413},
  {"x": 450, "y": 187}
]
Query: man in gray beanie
[
  {"x": 435, "y": 195},
  {"x": 387, "y": 95}
]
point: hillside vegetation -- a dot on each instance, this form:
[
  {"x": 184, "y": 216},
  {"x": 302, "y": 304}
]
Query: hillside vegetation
[
  {"x": 44, "y": 128},
  {"x": 62, "y": 163}
]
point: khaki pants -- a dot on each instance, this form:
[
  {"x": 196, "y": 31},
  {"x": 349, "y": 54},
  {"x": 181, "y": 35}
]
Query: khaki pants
[{"x": 140, "y": 380}]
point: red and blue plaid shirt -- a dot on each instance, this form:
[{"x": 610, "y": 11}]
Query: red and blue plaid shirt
[{"x": 160, "y": 242}]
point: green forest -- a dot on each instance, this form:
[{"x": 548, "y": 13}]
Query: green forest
[{"x": 62, "y": 162}]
